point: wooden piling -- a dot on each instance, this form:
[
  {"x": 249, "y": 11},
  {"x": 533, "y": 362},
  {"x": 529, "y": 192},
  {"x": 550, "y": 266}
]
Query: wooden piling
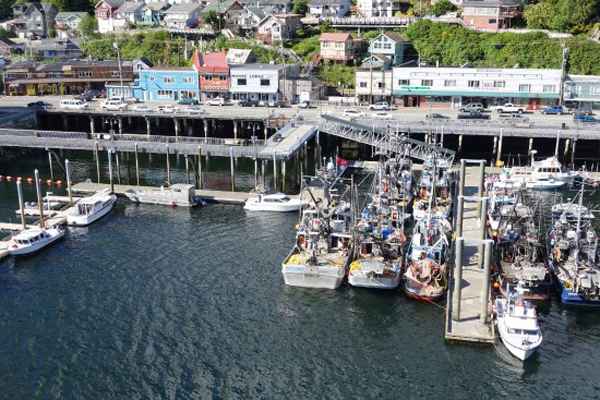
[
  {"x": 21, "y": 205},
  {"x": 485, "y": 288},
  {"x": 96, "y": 153},
  {"x": 137, "y": 164},
  {"x": 457, "y": 280},
  {"x": 38, "y": 190},
  {"x": 168, "y": 167},
  {"x": 68, "y": 176}
]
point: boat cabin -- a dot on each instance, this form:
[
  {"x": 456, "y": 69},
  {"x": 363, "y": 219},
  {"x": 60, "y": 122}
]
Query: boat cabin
[{"x": 27, "y": 238}]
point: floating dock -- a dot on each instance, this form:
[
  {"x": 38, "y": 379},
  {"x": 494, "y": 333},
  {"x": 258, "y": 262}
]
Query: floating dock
[{"x": 464, "y": 320}]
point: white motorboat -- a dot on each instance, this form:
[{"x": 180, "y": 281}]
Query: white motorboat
[
  {"x": 517, "y": 324},
  {"x": 178, "y": 194},
  {"x": 32, "y": 240},
  {"x": 277, "y": 202},
  {"x": 546, "y": 174},
  {"x": 571, "y": 211},
  {"x": 91, "y": 209},
  {"x": 544, "y": 184}
]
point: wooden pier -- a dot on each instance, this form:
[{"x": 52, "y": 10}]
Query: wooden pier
[{"x": 467, "y": 311}]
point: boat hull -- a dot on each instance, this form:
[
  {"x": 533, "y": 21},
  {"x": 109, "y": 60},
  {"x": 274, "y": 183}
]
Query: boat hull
[
  {"x": 363, "y": 281},
  {"x": 522, "y": 352},
  {"x": 251, "y": 206},
  {"x": 312, "y": 277},
  {"x": 423, "y": 293}
]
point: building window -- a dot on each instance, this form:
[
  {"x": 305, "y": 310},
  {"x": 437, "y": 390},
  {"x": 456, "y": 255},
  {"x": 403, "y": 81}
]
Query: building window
[
  {"x": 114, "y": 74},
  {"x": 403, "y": 82},
  {"x": 499, "y": 84},
  {"x": 362, "y": 84},
  {"x": 474, "y": 84},
  {"x": 265, "y": 82},
  {"x": 387, "y": 46},
  {"x": 168, "y": 79},
  {"x": 84, "y": 74},
  {"x": 524, "y": 88},
  {"x": 426, "y": 82},
  {"x": 450, "y": 83},
  {"x": 380, "y": 85},
  {"x": 188, "y": 79},
  {"x": 241, "y": 82},
  {"x": 190, "y": 94},
  {"x": 164, "y": 93},
  {"x": 595, "y": 90},
  {"x": 549, "y": 88},
  {"x": 492, "y": 21}
]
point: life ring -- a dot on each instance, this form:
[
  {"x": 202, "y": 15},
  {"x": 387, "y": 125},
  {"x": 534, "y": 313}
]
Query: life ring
[{"x": 301, "y": 240}]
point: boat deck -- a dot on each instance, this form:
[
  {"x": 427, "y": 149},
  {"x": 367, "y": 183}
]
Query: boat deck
[{"x": 468, "y": 327}]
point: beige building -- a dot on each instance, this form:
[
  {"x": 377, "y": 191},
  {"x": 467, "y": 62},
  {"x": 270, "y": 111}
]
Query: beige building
[{"x": 337, "y": 46}]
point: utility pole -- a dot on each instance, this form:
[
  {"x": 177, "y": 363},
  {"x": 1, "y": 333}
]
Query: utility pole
[
  {"x": 116, "y": 46},
  {"x": 563, "y": 75}
]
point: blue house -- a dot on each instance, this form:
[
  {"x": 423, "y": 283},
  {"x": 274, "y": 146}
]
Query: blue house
[{"x": 161, "y": 84}]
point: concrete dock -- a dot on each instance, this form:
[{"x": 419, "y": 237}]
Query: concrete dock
[
  {"x": 463, "y": 314},
  {"x": 219, "y": 196}
]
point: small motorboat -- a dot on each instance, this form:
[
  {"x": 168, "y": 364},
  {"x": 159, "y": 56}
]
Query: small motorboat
[
  {"x": 517, "y": 323},
  {"x": 91, "y": 209},
  {"x": 277, "y": 202},
  {"x": 32, "y": 240}
]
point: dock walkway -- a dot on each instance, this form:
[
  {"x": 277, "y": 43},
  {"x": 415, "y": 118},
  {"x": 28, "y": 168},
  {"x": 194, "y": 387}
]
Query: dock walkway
[{"x": 467, "y": 326}]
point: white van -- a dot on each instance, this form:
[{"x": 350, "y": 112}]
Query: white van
[{"x": 73, "y": 104}]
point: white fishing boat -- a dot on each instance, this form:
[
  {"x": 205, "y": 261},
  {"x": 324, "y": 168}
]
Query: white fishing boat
[
  {"x": 91, "y": 209},
  {"x": 517, "y": 324},
  {"x": 32, "y": 240},
  {"x": 571, "y": 211},
  {"x": 277, "y": 202},
  {"x": 546, "y": 174},
  {"x": 178, "y": 194},
  {"x": 319, "y": 257}
]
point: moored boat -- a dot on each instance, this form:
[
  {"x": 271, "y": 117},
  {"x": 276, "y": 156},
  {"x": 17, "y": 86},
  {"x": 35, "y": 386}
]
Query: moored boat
[
  {"x": 90, "y": 209},
  {"x": 276, "y": 202},
  {"x": 32, "y": 240}
]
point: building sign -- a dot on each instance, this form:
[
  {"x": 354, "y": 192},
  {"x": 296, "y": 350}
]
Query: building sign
[{"x": 410, "y": 88}]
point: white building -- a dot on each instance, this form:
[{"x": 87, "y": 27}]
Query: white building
[
  {"x": 261, "y": 82},
  {"x": 456, "y": 86},
  {"x": 373, "y": 85},
  {"x": 329, "y": 8},
  {"x": 182, "y": 15},
  {"x": 379, "y": 8}
]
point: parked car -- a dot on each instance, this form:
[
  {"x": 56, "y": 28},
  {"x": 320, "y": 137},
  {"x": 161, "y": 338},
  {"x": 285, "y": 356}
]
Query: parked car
[
  {"x": 380, "y": 106},
  {"x": 583, "y": 117},
  {"x": 436, "y": 116},
  {"x": 168, "y": 109},
  {"x": 553, "y": 110},
  {"x": 473, "y": 115},
  {"x": 89, "y": 95},
  {"x": 39, "y": 104},
  {"x": 216, "y": 101},
  {"x": 509, "y": 108},
  {"x": 304, "y": 104},
  {"x": 352, "y": 113},
  {"x": 248, "y": 103},
  {"x": 114, "y": 104},
  {"x": 276, "y": 103},
  {"x": 382, "y": 115},
  {"x": 194, "y": 109},
  {"x": 188, "y": 101},
  {"x": 472, "y": 107},
  {"x": 73, "y": 104}
]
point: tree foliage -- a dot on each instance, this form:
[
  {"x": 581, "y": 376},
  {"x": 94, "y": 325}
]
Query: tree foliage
[
  {"x": 562, "y": 15},
  {"x": 213, "y": 19},
  {"x": 300, "y": 7},
  {"x": 306, "y": 48},
  {"x": 442, "y": 7},
  {"x": 455, "y": 46},
  {"x": 337, "y": 74},
  {"x": 88, "y": 26}
]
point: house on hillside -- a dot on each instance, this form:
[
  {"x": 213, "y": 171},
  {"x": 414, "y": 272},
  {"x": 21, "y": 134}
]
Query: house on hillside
[
  {"x": 181, "y": 16},
  {"x": 490, "y": 15},
  {"x": 329, "y": 8},
  {"x": 8, "y": 47},
  {"x": 36, "y": 21},
  {"x": 67, "y": 23},
  {"x": 270, "y": 6},
  {"x": 53, "y": 48},
  {"x": 386, "y": 8},
  {"x": 279, "y": 27},
  {"x": 153, "y": 13},
  {"x": 240, "y": 56},
  {"x": 105, "y": 11},
  {"x": 129, "y": 14},
  {"x": 250, "y": 17},
  {"x": 337, "y": 47},
  {"x": 391, "y": 45}
]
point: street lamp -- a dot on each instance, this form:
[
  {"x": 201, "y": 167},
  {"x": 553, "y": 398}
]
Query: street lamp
[{"x": 116, "y": 46}]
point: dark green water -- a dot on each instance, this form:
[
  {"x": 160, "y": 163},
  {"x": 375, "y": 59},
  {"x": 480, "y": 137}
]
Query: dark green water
[{"x": 161, "y": 303}]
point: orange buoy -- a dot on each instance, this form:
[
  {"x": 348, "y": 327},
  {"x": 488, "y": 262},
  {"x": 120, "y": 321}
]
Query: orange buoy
[
  {"x": 9, "y": 178},
  {"x": 59, "y": 182},
  {"x": 496, "y": 285},
  {"x": 49, "y": 182},
  {"x": 29, "y": 179},
  {"x": 1, "y": 177}
]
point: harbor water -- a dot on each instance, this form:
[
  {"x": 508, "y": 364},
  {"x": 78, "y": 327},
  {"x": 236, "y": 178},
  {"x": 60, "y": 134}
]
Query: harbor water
[{"x": 160, "y": 303}]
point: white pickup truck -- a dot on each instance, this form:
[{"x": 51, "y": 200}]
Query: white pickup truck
[{"x": 509, "y": 108}]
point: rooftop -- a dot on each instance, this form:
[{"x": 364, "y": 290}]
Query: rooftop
[
  {"x": 267, "y": 67},
  {"x": 335, "y": 36},
  {"x": 182, "y": 8},
  {"x": 491, "y": 3}
]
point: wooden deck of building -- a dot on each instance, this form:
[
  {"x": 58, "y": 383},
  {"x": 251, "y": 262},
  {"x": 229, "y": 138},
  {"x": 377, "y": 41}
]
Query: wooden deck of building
[{"x": 463, "y": 323}]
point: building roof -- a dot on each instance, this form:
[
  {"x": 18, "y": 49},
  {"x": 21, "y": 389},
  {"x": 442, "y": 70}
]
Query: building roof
[
  {"x": 130, "y": 7},
  {"x": 260, "y": 12},
  {"x": 316, "y": 3},
  {"x": 395, "y": 36},
  {"x": 7, "y": 41},
  {"x": 182, "y": 8},
  {"x": 491, "y": 3},
  {"x": 66, "y": 15},
  {"x": 335, "y": 36},
  {"x": 266, "y": 67},
  {"x": 220, "y": 6},
  {"x": 238, "y": 56},
  {"x": 111, "y": 3},
  {"x": 158, "y": 68},
  {"x": 157, "y": 5},
  {"x": 52, "y": 44}
]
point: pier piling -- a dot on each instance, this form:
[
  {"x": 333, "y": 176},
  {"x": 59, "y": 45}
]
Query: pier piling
[
  {"x": 97, "y": 155},
  {"x": 110, "y": 171},
  {"x": 232, "y": 169},
  {"x": 51, "y": 167},
  {"x": 480, "y": 186},
  {"x": 148, "y": 124},
  {"x": 21, "y": 205},
  {"x": 557, "y": 144},
  {"x": 176, "y": 125},
  {"x": 187, "y": 169},
  {"x": 485, "y": 288},
  {"x": 68, "y": 176},
  {"x": 458, "y": 266},
  {"x": 499, "y": 153},
  {"x": 137, "y": 164},
  {"x": 255, "y": 172},
  {"x": 200, "y": 180},
  {"x": 118, "y": 167},
  {"x": 168, "y": 167},
  {"x": 283, "y": 175},
  {"x": 39, "y": 197},
  {"x": 530, "y": 145},
  {"x": 483, "y": 228},
  {"x": 274, "y": 173}
]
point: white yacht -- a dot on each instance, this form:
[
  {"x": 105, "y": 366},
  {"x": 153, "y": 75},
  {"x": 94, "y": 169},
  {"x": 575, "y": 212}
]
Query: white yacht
[
  {"x": 33, "y": 239},
  {"x": 571, "y": 211},
  {"x": 277, "y": 202},
  {"x": 546, "y": 174},
  {"x": 517, "y": 324},
  {"x": 91, "y": 209},
  {"x": 179, "y": 194}
]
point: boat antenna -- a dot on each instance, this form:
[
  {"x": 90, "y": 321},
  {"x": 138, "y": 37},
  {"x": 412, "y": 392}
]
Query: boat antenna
[{"x": 578, "y": 229}]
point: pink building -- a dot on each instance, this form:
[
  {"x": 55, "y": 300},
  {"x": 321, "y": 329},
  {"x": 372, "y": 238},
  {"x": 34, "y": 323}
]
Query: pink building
[{"x": 490, "y": 15}]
